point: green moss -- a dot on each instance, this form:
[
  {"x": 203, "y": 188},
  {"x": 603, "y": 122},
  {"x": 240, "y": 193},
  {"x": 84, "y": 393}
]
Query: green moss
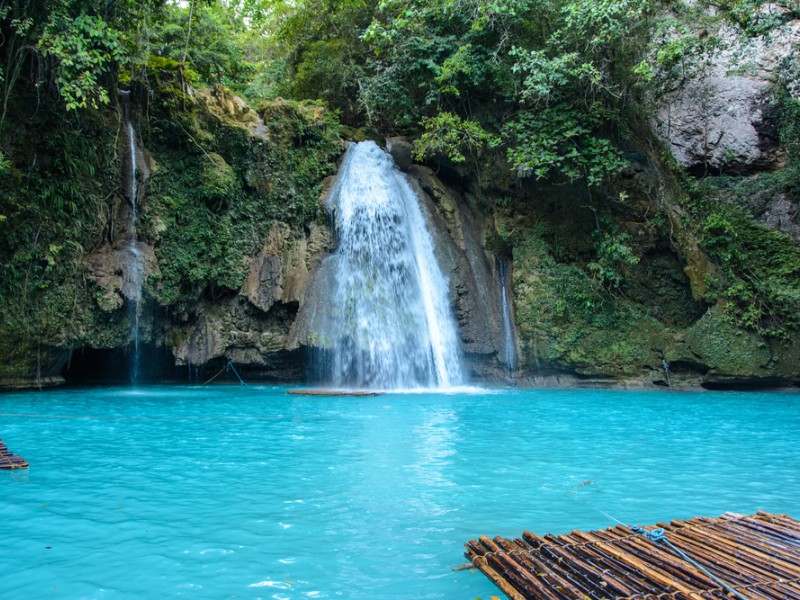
[
  {"x": 218, "y": 183},
  {"x": 218, "y": 189},
  {"x": 758, "y": 276},
  {"x": 215, "y": 191},
  {"x": 566, "y": 318}
]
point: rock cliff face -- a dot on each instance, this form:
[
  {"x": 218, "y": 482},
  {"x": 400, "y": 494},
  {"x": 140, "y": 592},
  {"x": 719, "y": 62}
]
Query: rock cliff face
[
  {"x": 661, "y": 277},
  {"x": 723, "y": 119},
  {"x": 253, "y": 327}
]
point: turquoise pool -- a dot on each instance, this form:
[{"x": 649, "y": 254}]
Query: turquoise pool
[{"x": 248, "y": 492}]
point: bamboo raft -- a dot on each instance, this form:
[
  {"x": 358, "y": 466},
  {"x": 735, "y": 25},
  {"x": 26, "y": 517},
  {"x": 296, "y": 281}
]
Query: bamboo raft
[
  {"x": 333, "y": 393},
  {"x": 10, "y": 461},
  {"x": 754, "y": 557}
]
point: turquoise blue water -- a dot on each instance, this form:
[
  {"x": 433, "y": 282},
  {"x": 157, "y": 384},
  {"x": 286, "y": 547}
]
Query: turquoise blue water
[{"x": 247, "y": 492}]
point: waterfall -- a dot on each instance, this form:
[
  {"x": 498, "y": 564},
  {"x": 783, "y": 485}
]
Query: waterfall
[
  {"x": 510, "y": 346},
  {"x": 134, "y": 267},
  {"x": 389, "y": 323}
]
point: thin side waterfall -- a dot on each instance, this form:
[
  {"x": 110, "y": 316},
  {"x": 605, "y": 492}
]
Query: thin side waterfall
[
  {"x": 133, "y": 273},
  {"x": 389, "y": 323},
  {"x": 510, "y": 346}
]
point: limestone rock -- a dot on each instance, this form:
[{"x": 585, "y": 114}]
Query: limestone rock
[
  {"x": 113, "y": 267},
  {"x": 722, "y": 124},
  {"x": 401, "y": 150},
  {"x": 233, "y": 329},
  {"x": 223, "y": 103},
  {"x": 280, "y": 272},
  {"x": 774, "y": 208},
  {"x": 722, "y": 120},
  {"x": 253, "y": 328}
]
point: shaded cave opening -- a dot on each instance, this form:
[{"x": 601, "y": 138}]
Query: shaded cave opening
[{"x": 113, "y": 366}]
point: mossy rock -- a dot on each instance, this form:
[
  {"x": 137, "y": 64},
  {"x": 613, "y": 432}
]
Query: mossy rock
[{"x": 218, "y": 183}]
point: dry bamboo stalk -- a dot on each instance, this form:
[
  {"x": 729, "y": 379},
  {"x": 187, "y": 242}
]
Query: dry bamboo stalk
[
  {"x": 755, "y": 554},
  {"x": 768, "y": 544},
  {"x": 600, "y": 580},
  {"x": 719, "y": 563},
  {"x": 773, "y": 532},
  {"x": 655, "y": 574},
  {"x": 785, "y": 535},
  {"x": 612, "y": 569},
  {"x": 497, "y": 553},
  {"x": 781, "y": 517},
  {"x": 632, "y": 576},
  {"x": 660, "y": 555},
  {"x": 780, "y": 525},
  {"x": 526, "y": 584},
  {"x": 751, "y": 556},
  {"x": 497, "y": 579},
  {"x": 532, "y": 539},
  {"x": 536, "y": 568},
  {"x": 535, "y": 565}
]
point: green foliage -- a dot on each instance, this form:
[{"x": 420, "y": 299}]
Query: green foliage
[
  {"x": 215, "y": 50},
  {"x": 559, "y": 139},
  {"x": 84, "y": 49},
  {"x": 614, "y": 255},
  {"x": 53, "y": 199},
  {"x": 790, "y": 136},
  {"x": 683, "y": 50},
  {"x": 216, "y": 193},
  {"x": 760, "y": 289},
  {"x": 5, "y": 165},
  {"x": 450, "y": 135},
  {"x": 560, "y": 91},
  {"x": 758, "y": 17},
  {"x": 218, "y": 183},
  {"x": 315, "y": 50}
]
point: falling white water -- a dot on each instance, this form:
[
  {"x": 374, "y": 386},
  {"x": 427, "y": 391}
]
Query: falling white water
[
  {"x": 510, "y": 347},
  {"x": 389, "y": 323},
  {"x": 134, "y": 271},
  {"x": 134, "y": 187}
]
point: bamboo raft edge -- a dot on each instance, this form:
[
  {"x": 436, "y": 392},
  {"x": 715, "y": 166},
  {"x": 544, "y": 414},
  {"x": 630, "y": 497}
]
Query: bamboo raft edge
[
  {"x": 333, "y": 393},
  {"x": 757, "y": 556},
  {"x": 10, "y": 461}
]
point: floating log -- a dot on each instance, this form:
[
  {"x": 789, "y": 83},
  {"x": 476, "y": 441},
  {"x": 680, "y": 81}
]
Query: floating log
[
  {"x": 333, "y": 393},
  {"x": 10, "y": 461},
  {"x": 756, "y": 556}
]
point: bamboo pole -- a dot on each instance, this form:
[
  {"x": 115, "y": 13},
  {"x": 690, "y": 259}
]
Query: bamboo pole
[{"x": 497, "y": 579}]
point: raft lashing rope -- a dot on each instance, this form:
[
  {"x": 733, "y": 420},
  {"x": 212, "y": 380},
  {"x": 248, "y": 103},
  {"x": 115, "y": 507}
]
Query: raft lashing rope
[
  {"x": 657, "y": 536},
  {"x": 9, "y": 461}
]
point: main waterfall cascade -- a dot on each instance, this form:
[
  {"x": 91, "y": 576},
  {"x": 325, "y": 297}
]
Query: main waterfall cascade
[{"x": 389, "y": 323}]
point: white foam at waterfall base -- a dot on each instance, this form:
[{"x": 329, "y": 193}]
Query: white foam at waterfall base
[{"x": 389, "y": 323}]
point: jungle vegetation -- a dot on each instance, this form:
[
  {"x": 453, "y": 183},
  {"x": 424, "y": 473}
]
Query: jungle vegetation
[{"x": 548, "y": 89}]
